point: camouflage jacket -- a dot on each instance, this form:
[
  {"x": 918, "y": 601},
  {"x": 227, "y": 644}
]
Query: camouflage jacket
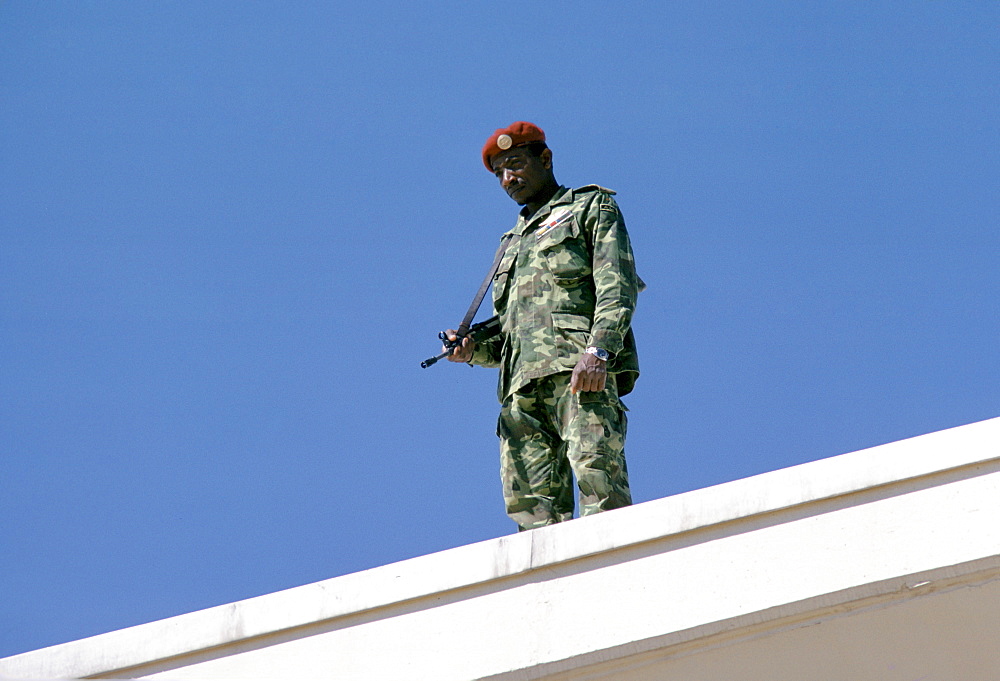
[{"x": 566, "y": 281}]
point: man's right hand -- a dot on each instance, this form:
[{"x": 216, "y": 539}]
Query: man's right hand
[{"x": 463, "y": 352}]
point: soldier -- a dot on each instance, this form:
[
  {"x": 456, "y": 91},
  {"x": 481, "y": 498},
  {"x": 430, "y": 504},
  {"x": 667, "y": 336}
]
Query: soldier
[{"x": 565, "y": 291}]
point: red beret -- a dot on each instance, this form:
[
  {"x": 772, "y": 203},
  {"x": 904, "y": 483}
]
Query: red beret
[{"x": 514, "y": 135}]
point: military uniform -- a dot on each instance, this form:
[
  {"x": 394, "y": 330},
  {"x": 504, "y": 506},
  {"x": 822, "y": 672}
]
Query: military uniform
[{"x": 567, "y": 281}]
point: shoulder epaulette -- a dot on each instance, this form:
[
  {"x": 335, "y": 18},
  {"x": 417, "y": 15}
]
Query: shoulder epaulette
[{"x": 595, "y": 188}]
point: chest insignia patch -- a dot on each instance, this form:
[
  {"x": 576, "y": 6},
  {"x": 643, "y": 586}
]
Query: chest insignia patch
[{"x": 554, "y": 220}]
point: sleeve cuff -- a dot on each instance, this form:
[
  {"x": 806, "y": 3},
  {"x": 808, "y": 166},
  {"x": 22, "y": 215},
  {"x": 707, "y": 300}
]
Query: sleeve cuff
[
  {"x": 607, "y": 340},
  {"x": 483, "y": 356}
]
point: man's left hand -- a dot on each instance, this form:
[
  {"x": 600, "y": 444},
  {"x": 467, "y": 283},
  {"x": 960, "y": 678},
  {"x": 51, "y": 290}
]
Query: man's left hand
[{"x": 589, "y": 374}]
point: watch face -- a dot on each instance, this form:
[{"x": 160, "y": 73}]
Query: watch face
[{"x": 599, "y": 353}]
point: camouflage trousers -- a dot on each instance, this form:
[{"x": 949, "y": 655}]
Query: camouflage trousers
[{"x": 548, "y": 435}]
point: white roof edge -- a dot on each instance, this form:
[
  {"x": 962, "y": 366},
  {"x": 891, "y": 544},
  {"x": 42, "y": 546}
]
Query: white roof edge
[{"x": 495, "y": 559}]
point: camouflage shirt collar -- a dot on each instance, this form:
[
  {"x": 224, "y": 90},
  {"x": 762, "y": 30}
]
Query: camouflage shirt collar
[{"x": 562, "y": 196}]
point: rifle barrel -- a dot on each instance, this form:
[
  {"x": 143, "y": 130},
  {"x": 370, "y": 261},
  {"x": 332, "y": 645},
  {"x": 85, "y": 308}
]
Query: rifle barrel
[{"x": 433, "y": 360}]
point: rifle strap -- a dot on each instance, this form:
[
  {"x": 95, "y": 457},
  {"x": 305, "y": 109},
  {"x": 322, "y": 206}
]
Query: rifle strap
[{"x": 463, "y": 328}]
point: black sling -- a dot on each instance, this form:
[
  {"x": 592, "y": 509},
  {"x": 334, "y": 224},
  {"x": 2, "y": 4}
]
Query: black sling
[
  {"x": 488, "y": 328},
  {"x": 463, "y": 328}
]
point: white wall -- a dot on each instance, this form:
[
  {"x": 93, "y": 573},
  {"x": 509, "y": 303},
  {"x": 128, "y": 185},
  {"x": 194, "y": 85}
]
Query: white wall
[{"x": 881, "y": 564}]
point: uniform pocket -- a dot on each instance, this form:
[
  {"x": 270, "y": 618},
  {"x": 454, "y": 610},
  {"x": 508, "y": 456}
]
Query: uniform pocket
[
  {"x": 565, "y": 253},
  {"x": 571, "y": 332}
]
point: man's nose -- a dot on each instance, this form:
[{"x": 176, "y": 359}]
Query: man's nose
[{"x": 506, "y": 178}]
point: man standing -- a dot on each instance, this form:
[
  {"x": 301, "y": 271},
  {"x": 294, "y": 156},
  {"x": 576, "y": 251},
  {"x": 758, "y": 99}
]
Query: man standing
[{"x": 565, "y": 290}]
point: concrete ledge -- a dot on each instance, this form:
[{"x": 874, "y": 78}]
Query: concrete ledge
[
  {"x": 648, "y": 654},
  {"x": 894, "y": 485}
]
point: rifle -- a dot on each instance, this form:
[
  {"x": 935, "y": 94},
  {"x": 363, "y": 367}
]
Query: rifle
[{"x": 477, "y": 332}]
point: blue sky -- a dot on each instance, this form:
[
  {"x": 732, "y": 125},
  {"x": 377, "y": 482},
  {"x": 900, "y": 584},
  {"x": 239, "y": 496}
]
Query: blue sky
[{"x": 229, "y": 232}]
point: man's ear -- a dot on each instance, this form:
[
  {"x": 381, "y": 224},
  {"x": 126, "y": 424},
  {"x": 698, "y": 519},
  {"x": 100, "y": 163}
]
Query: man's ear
[{"x": 546, "y": 157}]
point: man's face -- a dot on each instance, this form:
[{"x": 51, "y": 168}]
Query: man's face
[{"x": 523, "y": 175}]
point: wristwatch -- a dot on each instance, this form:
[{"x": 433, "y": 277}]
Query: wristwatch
[{"x": 599, "y": 353}]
